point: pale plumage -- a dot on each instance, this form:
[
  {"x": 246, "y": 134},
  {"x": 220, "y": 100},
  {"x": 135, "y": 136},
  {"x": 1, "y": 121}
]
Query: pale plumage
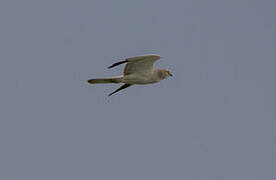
[{"x": 138, "y": 70}]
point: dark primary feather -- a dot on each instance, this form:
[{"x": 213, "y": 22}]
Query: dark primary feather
[
  {"x": 120, "y": 88},
  {"x": 117, "y": 63}
]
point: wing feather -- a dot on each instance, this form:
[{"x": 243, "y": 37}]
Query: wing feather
[
  {"x": 140, "y": 64},
  {"x": 120, "y": 88}
]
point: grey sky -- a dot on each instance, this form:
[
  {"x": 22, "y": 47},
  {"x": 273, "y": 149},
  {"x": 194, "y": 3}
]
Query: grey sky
[{"x": 214, "y": 120}]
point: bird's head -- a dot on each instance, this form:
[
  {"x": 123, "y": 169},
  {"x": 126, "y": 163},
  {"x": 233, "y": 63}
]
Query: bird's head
[{"x": 164, "y": 73}]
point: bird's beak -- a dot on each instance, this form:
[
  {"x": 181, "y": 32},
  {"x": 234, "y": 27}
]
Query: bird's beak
[{"x": 170, "y": 74}]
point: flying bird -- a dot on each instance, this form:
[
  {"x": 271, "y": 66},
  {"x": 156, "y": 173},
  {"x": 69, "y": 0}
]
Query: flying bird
[{"x": 138, "y": 70}]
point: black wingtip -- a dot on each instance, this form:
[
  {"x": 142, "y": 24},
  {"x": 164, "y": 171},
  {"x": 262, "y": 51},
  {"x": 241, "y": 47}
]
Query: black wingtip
[
  {"x": 109, "y": 67},
  {"x": 110, "y": 94},
  {"x": 116, "y": 64},
  {"x": 120, "y": 88}
]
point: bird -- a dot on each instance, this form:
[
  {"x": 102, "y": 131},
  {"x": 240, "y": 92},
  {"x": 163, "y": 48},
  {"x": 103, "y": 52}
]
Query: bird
[{"x": 138, "y": 70}]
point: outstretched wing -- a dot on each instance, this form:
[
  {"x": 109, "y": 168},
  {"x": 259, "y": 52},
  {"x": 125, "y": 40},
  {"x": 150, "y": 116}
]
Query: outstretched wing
[
  {"x": 138, "y": 64},
  {"x": 120, "y": 88}
]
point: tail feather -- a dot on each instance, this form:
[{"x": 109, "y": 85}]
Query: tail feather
[{"x": 104, "y": 80}]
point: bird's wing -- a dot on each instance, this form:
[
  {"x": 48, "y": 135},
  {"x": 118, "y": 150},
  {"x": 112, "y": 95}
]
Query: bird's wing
[
  {"x": 138, "y": 64},
  {"x": 120, "y": 88}
]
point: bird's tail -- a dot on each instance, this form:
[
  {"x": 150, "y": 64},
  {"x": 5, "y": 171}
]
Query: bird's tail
[{"x": 105, "y": 80}]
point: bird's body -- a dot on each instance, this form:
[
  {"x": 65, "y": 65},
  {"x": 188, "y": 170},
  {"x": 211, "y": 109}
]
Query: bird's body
[
  {"x": 138, "y": 70},
  {"x": 141, "y": 78}
]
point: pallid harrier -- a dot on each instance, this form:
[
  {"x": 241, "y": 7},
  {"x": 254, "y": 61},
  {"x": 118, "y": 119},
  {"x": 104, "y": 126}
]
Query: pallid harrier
[{"x": 138, "y": 70}]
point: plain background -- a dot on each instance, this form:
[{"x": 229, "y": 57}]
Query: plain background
[{"x": 214, "y": 120}]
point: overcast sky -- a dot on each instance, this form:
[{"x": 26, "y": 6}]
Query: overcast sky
[{"x": 214, "y": 119}]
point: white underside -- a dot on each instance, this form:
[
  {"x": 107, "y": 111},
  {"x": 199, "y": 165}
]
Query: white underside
[{"x": 139, "y": 79}]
